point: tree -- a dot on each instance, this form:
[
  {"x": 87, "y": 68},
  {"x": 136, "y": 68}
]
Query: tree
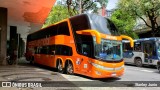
[
  {"x": 143, "y": 9},
  {"x": 124, "y": 22},
  {"x": 58, "y": 13},
  {"x": 84, "y": 5}
]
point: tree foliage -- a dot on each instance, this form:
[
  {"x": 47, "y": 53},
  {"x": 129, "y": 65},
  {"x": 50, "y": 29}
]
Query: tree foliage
[
  {"x": 58, "y": 13},
  {"x": 84, "y": 5},
  {"x": 145, "y": 10},
  {"x": 124, "y": 22}
]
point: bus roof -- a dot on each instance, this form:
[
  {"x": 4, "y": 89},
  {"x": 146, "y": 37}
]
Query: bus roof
[
  {"x": 96, "y": 22},
  {"x": 90, "y": 21},
  {"x": 144, "y": 39}
]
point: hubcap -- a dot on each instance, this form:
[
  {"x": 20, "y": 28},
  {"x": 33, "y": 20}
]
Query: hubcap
[
  {"x": 138, "y": 62},
  {"x": 70, "y": 69},
  {"x": 60, "y": 67}
]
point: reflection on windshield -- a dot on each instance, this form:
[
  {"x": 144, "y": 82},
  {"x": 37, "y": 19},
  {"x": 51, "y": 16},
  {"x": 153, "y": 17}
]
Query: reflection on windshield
[{"x": 109, "y": 50}]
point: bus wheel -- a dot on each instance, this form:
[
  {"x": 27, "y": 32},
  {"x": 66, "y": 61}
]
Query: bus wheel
[
  {"x": 159, "y": 69},
  {"x": 138, "y": 62},
  {"x": 59, "y": 66},
  {"x": 69, "y": 68}
]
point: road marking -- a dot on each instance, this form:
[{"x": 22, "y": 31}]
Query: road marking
[
  {"x": 143, "y": 70},
  {"x": 75, "y": 78},
  {"x": 147, "y": 71}
]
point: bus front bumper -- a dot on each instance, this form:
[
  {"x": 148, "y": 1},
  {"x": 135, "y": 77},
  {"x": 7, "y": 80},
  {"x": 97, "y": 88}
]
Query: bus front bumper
[{"x": 107, "y": 72}]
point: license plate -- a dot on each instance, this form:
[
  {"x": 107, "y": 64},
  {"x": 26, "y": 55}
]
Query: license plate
[{"x": 114, "y": 74}]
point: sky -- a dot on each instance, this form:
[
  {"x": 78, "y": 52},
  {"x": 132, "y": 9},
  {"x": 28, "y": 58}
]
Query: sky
[{"x": 111, "y": 4}]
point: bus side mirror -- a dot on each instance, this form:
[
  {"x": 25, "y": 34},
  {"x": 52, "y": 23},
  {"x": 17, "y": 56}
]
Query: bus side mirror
[
  {"x": 130, "y": 39},
  {"x": 91, "y": 32}
]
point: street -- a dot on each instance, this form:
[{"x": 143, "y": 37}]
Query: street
[{"x": 26, "y": 72}]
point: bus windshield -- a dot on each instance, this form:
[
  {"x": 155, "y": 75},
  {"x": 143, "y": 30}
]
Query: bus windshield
[
  {"x": 108, "y": 50},
  {"x": 103, "y": 25}
]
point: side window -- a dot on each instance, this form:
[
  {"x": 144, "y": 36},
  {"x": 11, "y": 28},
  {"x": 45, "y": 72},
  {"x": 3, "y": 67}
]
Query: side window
[
  {"x": 80, "y": 23},
  {"x": 127, "y": 47},
  {"x": 53, "y": 30},
  {"x": 38, "y": 51},
  {"x": 66, "y": 50},
  {"x": 45, "y": 50},
  {"x": 85, "y": 49},
  {"x": 63, "y": 29},
  {"x": 63, "y": 50},
  {"x": 149, "y": 48},
  {"x": 154, "y": 48},
  {"x": 52, "y": 50},
  {"x": 137, "y": 46}
]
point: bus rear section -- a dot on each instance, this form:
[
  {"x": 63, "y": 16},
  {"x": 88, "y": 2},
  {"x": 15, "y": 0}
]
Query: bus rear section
[{"x": 145, "y": 52}]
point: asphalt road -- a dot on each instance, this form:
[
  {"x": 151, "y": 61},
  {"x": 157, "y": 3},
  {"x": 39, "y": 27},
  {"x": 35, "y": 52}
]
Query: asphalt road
[{"x": 26, "y": 72}]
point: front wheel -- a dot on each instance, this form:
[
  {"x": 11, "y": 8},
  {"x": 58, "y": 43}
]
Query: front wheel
[
  {"x": 69, "y": 68},
  {"x": 138, "y": 62}
]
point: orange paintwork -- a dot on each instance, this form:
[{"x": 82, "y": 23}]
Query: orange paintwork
[{"x": 82, "y": 64}]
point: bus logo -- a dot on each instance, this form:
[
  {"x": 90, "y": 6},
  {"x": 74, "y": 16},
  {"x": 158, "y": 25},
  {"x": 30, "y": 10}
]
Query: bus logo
[{"x": 6, "y": 84}]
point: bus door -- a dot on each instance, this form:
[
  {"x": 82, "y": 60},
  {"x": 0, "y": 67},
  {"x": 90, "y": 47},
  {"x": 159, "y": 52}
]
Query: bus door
[
  {"x": 148, "y": 49},
  {"x": 128, "y": 53}
]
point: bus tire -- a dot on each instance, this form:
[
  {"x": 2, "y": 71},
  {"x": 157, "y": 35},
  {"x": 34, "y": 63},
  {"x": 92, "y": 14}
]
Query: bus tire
[
  {"x": 60, "y": 66},
  {"x": 69, "y": 68},
  {"x": 159, "y": 69},
  {"x": 138, "y": 62}
]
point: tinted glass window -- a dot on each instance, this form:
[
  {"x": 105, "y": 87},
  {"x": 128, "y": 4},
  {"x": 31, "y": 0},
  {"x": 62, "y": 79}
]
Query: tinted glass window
[
  {"x": 54, "y": 50},
  {"x": 63, "y": 29},
  {"x": 58, "y": 29},
  {"x": 127, "y": 47},
  {"x": 137, "y": 46},
  {"x": 85, "y": 45},
  {"x": 80, "y": 22},
  {"x": 103, "y": 25}
]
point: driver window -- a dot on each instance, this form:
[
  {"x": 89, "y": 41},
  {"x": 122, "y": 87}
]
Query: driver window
[{"x": 86, "y": 49}]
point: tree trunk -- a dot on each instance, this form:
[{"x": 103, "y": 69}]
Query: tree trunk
[
  {"x": 80, "y": 6},
  {"x": 153, "y": 27}
]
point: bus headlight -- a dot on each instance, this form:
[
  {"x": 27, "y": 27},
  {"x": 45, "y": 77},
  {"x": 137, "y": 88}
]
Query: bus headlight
[{"x": 107, "y": 68}]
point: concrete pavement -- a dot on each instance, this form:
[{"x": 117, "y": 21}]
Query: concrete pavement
[{"x": 26, "y": 72}]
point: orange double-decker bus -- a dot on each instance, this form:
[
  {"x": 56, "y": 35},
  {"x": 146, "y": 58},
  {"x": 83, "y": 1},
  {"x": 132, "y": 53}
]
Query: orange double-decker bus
[{"x": 85, "y": 44}]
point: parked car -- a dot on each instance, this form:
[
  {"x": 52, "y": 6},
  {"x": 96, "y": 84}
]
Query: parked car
[{"x": 158, "y": 65}]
